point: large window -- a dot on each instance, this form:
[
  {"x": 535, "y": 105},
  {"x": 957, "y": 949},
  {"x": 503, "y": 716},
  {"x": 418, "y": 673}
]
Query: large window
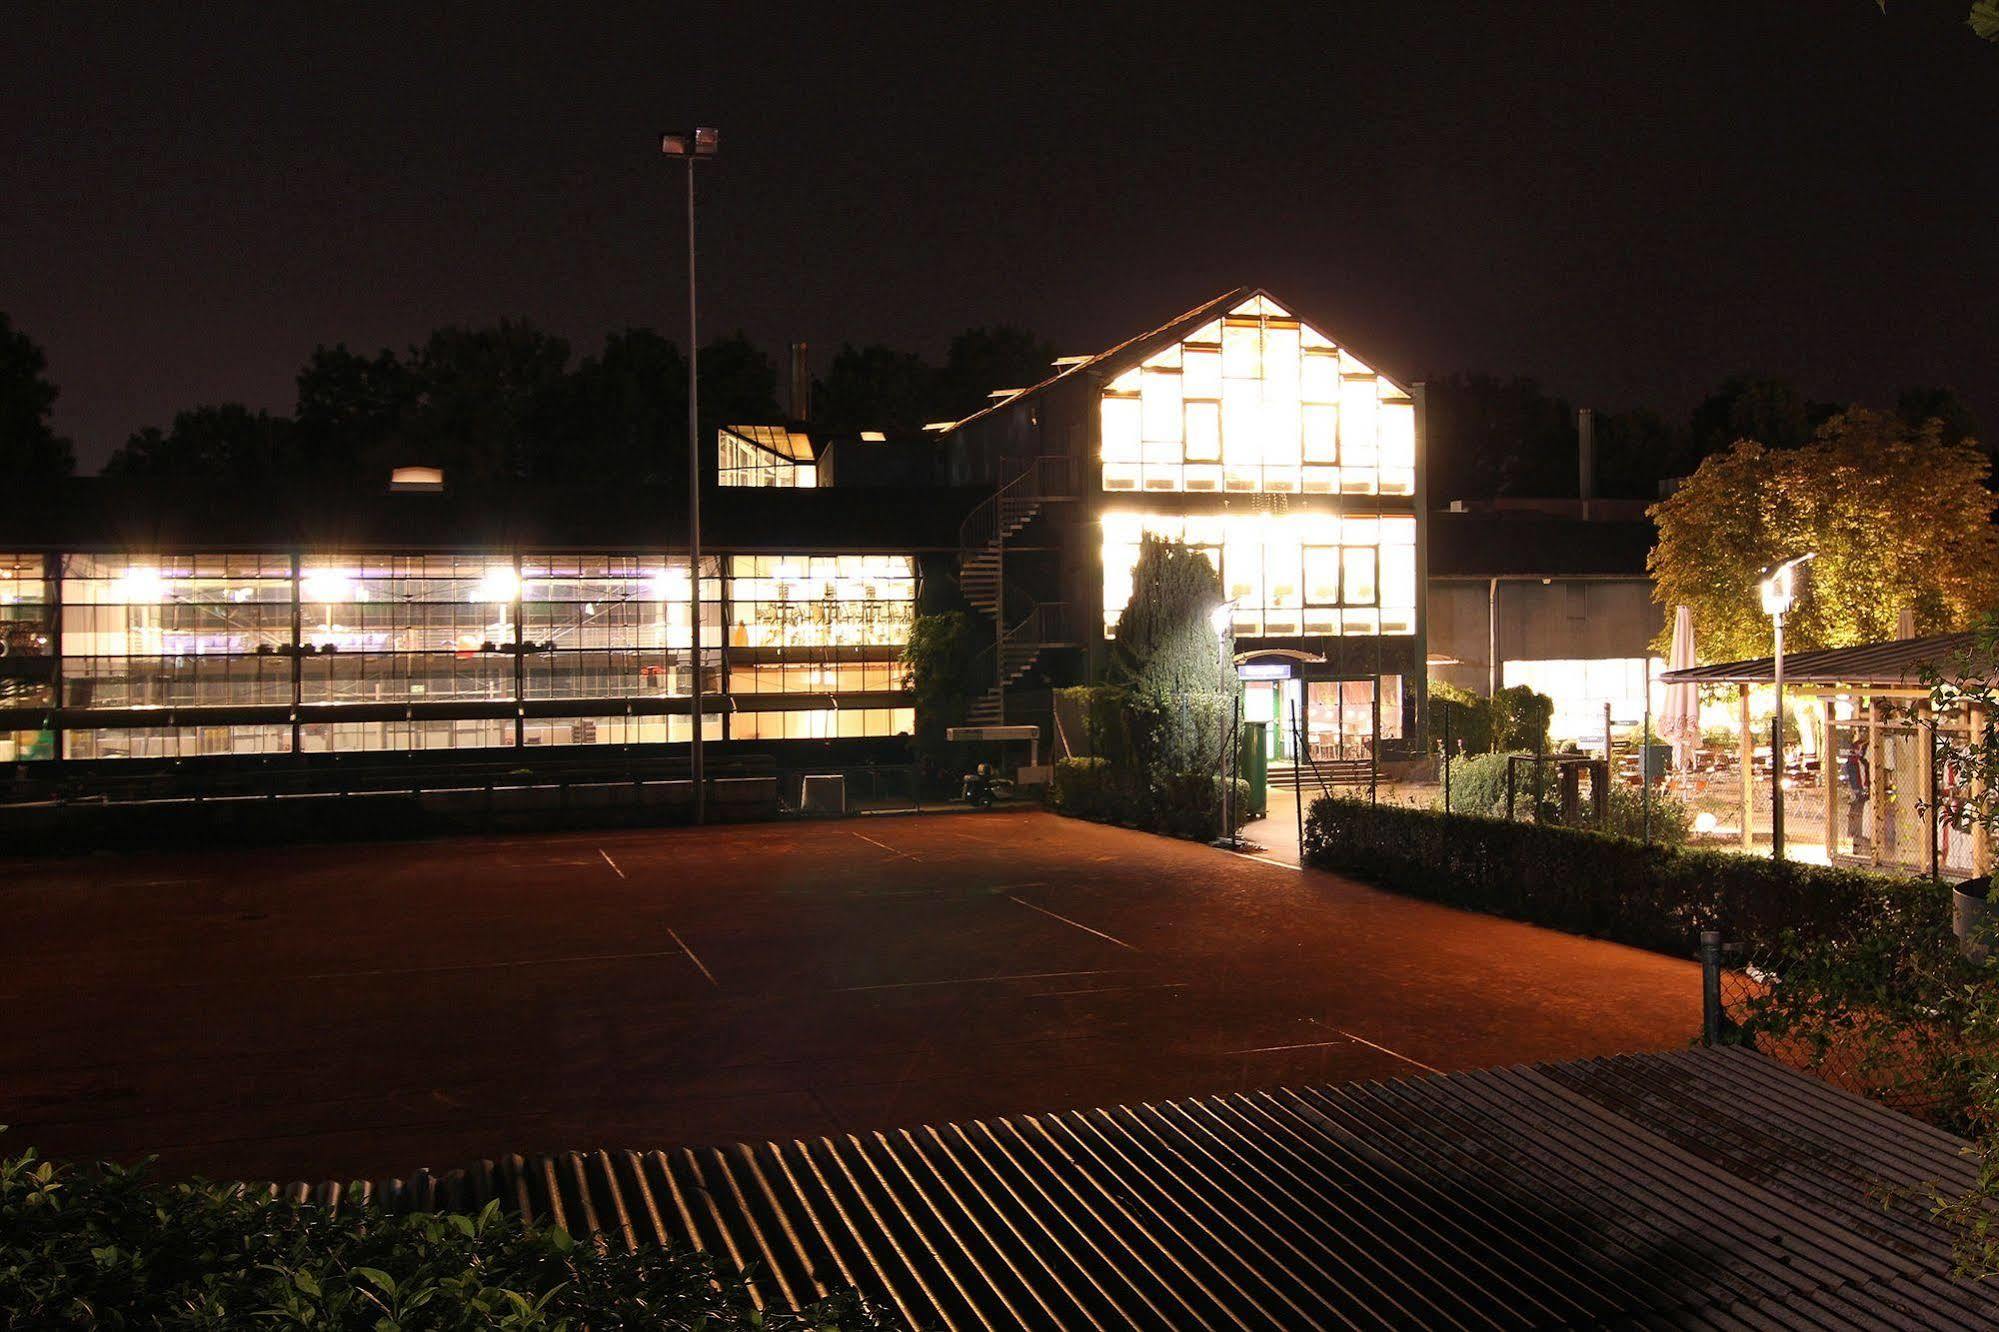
[
  {"x": 603, "y": 626},
  {"x": 389, "y": 628},
  {"x": 764, "y": 456},
  {"x": 454, "y": 642},
  {"x": 1288, "y": 576},
  {"x": 1257, "y": 402},
  {"x": 206, "y": 630},
  {"x": 27, "y": 636},
  {"x": 819, "y": 624}
]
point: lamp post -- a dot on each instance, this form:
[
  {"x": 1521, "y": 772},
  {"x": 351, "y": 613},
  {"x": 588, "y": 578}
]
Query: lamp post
[
  {"x": 1222, "y": 618},
  {"x": 1779, "y": 588},
  {"x": 696, "y": 146}
]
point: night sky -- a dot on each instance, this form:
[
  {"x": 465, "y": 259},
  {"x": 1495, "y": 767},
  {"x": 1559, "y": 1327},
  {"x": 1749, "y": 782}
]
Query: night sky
[{"x": 1627, "y": 201}]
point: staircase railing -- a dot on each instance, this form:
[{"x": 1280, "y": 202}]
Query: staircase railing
[
  {"x": 1050, "y": 477},
  {"x": 1047, "y": 622}
]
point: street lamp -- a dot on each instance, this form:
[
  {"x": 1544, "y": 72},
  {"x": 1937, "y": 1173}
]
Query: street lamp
[
  {"x": 696, "y": 146},
  {"x": 1779, "y": 588},
  {"x": 1222, "y": 618}
]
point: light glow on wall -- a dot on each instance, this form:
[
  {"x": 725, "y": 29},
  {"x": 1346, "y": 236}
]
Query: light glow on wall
[
  {"x": 1257, "y": 402},
  {"x": 1290, "y": 575},
  {"x": 1581, "y": 687}
]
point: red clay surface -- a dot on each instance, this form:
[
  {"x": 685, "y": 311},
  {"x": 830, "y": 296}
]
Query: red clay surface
[{"x": 343, "y": 1011}]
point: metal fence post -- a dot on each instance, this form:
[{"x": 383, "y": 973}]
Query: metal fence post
[
  {"x": 1447, "y": 757},
  {"x": 1710, "y": 987}
]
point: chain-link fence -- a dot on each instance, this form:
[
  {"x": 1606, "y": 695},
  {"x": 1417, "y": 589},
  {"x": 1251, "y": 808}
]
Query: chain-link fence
[{"x": 1887, "y": 1065}]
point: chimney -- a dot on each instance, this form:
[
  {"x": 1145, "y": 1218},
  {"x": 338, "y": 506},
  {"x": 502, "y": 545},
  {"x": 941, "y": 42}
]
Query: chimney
[
  {"x": 801, "y": 384},
  {"x": 1586, "y": 458}
]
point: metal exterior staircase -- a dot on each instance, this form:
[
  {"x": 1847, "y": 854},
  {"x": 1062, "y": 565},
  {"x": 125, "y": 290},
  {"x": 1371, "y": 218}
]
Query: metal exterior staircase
[{"x": 1022, "y": 629}]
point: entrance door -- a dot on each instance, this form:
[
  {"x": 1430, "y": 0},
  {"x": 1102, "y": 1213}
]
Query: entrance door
[{"x": 1339, "y": 719}]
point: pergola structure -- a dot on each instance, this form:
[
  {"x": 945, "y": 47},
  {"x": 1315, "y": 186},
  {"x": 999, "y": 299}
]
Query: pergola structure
[{"x": 1884, "y": 684}]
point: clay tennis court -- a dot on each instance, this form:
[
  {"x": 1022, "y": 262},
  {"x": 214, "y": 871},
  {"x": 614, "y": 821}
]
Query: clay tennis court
[{"x": 363, "y": 1010}]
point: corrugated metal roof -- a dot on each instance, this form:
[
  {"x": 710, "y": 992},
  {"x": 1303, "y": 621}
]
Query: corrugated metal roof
[
  {"x": 1897, "y": 663},
  {"x": 1700, "y": 1188}
]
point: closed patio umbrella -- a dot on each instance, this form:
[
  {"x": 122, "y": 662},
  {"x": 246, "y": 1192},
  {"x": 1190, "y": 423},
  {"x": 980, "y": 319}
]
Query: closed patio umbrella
[{"x": 1680, "y": 722}]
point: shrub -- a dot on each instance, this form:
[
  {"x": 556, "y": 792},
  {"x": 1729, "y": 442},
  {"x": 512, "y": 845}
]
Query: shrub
[
  {"x": 1469, "y": 718},
  {"x": 1520, "y": 719},
  {"x": 112, "y": 1248},
  {"x": 1478, "y": 786},
  {"x": 1653, "y": 897}
]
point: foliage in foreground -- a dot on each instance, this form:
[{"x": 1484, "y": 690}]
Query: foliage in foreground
[{"x": 109, "y": 1247}]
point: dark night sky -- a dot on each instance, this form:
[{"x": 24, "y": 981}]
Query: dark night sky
[{"x": 1627, "y": 201}]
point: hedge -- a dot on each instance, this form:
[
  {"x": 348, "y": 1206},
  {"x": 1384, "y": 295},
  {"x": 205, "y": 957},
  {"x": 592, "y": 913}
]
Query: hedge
[
  {"x": 1653, "y": 897},
  {"x": 1177, "y": 804}
]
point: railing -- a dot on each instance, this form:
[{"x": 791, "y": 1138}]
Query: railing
[
  {"x": 1047, "y": 477},
  {"x": 1046, "y": 623}
]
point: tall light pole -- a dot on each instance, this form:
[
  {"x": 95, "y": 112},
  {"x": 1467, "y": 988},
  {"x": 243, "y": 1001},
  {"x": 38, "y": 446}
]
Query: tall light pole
[
  {"x": 1780, "y": 589},
  {"x": 696, "y": 146}
]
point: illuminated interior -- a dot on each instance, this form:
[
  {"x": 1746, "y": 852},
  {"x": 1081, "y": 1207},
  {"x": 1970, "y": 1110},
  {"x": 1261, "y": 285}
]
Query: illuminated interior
[
  {"x": 1581, "y": 687},
  {"x": 1289, "y": 575},
  {"x": 1257, "y": 402},
  {"x": 141, "y": 633},
  {"x": 764, "y": 456}
]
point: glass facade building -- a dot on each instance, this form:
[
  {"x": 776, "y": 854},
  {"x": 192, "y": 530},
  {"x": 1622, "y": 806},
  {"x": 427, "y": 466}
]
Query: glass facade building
[{"x": 174, "y": 656}]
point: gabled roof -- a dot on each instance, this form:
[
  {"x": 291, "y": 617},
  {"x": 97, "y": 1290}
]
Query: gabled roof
[{"x": 1130, "y": 352}]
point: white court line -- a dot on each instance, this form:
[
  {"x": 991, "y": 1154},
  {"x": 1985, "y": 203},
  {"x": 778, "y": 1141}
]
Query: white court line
[
  {"x": 1264, "y": 860},
  {"x": 1373, "y": 1046},
  {"x": 695, "y": 960},
  {"x": 612, "y": 863},
  {"x": 884, "y": 846},
  {"x": 1066, "y": 921}
]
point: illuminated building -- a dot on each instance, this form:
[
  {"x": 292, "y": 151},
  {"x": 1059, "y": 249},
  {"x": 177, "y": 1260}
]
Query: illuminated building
[
  {"x": 144, "y": 625},
  {"x": 1261, "y": 440}
]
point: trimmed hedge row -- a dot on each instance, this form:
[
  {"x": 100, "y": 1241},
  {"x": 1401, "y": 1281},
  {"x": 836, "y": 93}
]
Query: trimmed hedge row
[
  {"x": 1178, "y": 804},
  {"x": 1653, "y": 897}
]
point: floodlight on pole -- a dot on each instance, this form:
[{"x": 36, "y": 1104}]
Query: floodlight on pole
[
  {"x": 697, "y": 145},
  {"x": 1779, "y": 589}
]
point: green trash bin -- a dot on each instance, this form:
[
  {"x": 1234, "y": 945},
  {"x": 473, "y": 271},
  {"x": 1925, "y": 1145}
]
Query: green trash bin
[{"x": 1253, "y": 766}]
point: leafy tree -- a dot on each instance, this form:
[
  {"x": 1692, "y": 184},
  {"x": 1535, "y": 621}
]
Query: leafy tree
[
  {"x": 350, "y": 408},
  {"x": 1897, "y": 517},
  {"x": 1983, "y": 19},
  {"x": 1955, "y": 423},
  {"x": 620, "y": 416},
  {"x": 1769, "y": 411},
  {"x": 1491, "y": 436},
  {"x": 476, "y": 389},
  {"x": 1166, "y": 651},
  {"x": 738, "y": 384},
  {"x": 981, "y": 360},
  {"x": 222, "y": 444},
  {"x": 1636, "y": 450},
  {"x": 939, "y": 656},
  {"x": 31, "y": 453},
  {"x": 875, "y": 388}
]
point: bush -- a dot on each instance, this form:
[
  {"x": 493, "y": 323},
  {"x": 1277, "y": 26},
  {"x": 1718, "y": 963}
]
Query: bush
[
  {"x": 1478, "y": 786},
  {"x": 1466, "y": 717},
  {"x": 112, "y": 1248},
  {"x": 1653, "y": 897}
]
